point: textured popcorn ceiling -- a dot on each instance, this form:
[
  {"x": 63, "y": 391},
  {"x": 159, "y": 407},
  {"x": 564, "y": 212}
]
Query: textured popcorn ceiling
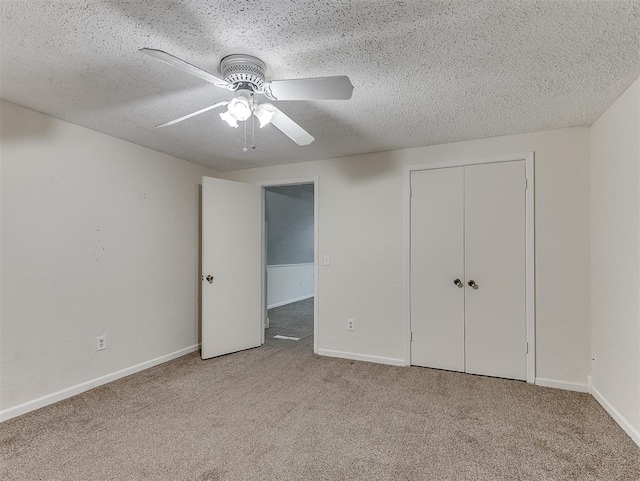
[{"x": 424, "y": 72}]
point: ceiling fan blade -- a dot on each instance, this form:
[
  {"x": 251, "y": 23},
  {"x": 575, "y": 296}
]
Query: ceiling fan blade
[
  {"x": 320, "y": 88},
  {"x": 290, "y": 128},
  {"x": 185, "y": 117},
  {"x": 184, "y": 66}
]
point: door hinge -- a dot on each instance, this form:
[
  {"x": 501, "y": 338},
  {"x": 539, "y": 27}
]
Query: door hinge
[
  {"x": 410, "y": 192},
  {"x": 411, "y": 336},
  {"x": 526, "y": 183},
  {"x": 526, "y": 348}
]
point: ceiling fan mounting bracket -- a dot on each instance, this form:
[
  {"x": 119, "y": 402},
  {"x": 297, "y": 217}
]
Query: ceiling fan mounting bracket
[{"x": 243, "y": 69}]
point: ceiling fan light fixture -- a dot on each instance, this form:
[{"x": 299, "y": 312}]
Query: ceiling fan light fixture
[
  {"x": 264, "y": 113},
  {"x": 240, "y": 108},
  {"x": 229, "y": 119}
]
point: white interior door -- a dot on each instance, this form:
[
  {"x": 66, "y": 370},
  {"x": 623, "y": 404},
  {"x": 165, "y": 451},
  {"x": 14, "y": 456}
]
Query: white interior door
[
  {"x": 495, "y": 260},
  {"x": 437, "y": 260},
  {"x": 231, "y": 255}
]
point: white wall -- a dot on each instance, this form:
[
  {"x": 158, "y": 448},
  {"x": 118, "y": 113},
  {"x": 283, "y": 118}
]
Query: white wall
[
  {"x": 615, "y": 257},
  {"x": 99, "y": 236},
  {"x": 361, "y": 228},
  {"x": 287, "y": 283}
]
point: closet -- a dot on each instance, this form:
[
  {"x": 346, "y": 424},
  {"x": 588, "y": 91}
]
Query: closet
[{"x": 467, "y": 261}]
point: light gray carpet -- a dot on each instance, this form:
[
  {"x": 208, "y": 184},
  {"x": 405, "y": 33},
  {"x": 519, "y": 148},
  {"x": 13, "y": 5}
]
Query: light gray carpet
[{"x": 281, "y": 413}]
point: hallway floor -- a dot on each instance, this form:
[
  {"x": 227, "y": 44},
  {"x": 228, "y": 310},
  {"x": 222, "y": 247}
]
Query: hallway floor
[{"x": 293, "y": 320}]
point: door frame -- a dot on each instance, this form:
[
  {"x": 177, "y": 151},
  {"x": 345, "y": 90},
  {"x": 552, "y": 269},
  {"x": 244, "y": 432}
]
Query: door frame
[
  {"x": 529, "y": 161},
  {"x": 316, "y": 236}
]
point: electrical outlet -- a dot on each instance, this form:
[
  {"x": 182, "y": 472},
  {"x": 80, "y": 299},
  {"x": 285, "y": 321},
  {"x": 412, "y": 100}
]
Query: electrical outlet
[
  {"x": 101, "y": 342},
  {"x": 351, "y": 324}
]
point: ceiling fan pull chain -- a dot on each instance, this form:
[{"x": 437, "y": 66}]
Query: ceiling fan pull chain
[
  {"x": 253, "y": 132},
  {"x": 245, "y": 138},
  {"x": 253, "y": 123}
]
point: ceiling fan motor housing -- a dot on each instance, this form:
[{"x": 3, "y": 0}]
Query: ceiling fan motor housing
[{"x": 242, "y": 69}]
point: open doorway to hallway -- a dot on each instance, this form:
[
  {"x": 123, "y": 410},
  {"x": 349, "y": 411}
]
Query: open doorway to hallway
[{"x": 289, "y": 212}]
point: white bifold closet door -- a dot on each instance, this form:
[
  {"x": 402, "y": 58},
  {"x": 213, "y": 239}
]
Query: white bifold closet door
[
  {"x": 494, "y": 228},
  {"x": 437, "y": 248},
  {"x": 468, "y": 269}
]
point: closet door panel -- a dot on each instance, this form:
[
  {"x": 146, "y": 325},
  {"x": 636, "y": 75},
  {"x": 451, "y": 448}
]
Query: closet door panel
[
  {"x": 495, "y": 260},
  {"x": 437, "y": 253}
]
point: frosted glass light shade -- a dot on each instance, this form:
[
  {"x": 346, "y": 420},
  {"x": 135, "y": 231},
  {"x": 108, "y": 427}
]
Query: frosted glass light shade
[
  {"x": 264, "y": 113},
  {"x": 229, "y": 119},
  {"x": 240, "y": 108}
]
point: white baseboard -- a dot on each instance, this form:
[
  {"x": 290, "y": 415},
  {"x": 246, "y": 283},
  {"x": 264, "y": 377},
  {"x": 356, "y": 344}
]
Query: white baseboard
[
  {"x": 590, "y": 383},
  {"x": 633, "y": 433},
  {"x": 361, "y": 357},
  {"x": 289, "y": 301},
  {"x": 566, "y": 385},
  {"x": 43, "y": 401}
]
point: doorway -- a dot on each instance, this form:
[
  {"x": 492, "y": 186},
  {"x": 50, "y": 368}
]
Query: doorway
[{"x": 289, "y": 258}]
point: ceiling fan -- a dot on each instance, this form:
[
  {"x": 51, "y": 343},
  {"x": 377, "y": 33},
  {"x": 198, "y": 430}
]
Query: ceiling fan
[{"x": 245, "y": 76}]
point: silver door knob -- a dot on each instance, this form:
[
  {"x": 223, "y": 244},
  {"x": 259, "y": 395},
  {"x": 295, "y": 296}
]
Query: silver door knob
[
  {"x": 472, "y": 284},
  {"x": 209, "y": 278},
  {"x": 458, "y": 283}
]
